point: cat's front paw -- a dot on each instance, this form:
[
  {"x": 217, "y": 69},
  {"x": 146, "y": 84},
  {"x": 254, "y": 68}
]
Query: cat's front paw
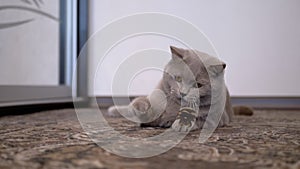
[{"x": 185, "y": 120}]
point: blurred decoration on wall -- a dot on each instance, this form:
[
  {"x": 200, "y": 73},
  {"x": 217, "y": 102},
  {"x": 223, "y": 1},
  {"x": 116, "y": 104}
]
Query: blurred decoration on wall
[
  {"x": 33, "y": 6},
  {"x": 29, "y": 42}
]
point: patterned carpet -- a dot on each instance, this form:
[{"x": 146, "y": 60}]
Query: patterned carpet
[{"x": 55, "y": 139}]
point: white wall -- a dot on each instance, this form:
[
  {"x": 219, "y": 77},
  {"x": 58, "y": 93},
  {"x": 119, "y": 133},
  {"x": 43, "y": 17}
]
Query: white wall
[{"x": 259, "y": 41}]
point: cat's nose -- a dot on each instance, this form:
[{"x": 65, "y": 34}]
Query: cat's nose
[{"x": 182, "y": 94}]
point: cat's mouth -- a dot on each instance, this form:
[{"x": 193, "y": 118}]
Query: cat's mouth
[
  {"x": 188, "y": 99},
  {"x": 201, "y": 102},
  {"x": 179, "y": 99}
]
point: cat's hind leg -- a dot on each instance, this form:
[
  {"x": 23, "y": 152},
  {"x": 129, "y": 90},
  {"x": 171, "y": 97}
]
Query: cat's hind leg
[
  {"x": 147, "y": 109},
  {"x": 138, "y": 110}
]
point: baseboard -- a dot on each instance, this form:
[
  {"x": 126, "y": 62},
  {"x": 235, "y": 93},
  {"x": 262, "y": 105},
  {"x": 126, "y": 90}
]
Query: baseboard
[
  {"x": 32, "y": 106},
  {"x": 268, "y": 102},
  {"x": 255, "y": 102}
]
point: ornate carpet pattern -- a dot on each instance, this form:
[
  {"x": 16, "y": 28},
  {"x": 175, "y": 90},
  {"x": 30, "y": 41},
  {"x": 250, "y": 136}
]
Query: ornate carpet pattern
[{"x": 55, "y": 139}]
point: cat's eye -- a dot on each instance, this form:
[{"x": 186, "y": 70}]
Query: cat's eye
[
  {"x": 178, "y": 78},
  {"x": 198, "y": 85}
]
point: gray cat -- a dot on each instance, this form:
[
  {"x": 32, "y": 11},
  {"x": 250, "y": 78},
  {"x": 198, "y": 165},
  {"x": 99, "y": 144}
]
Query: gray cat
[{"x": 183, "y": 97}]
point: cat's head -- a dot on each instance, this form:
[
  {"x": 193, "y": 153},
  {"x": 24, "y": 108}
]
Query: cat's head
[{"x": 188, "y": 74}]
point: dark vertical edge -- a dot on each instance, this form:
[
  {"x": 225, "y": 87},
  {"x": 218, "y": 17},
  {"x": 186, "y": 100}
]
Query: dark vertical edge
[
  {"x": 62, "y": 40},
  {"x": 82, "y": 71}
]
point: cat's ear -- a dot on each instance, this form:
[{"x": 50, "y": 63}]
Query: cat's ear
[
  {"x": 177, "y": 53},
  {"x": 216, "y": 69}
]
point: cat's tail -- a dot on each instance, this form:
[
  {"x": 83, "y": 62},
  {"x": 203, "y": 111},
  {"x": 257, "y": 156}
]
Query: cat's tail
[{"x": 243, "y": 110}]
